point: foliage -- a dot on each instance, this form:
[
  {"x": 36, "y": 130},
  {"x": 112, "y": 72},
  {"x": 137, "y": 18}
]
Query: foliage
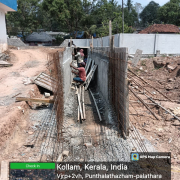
[
  {"x": 25, "y": 19},
  {"x": 67, "y": 12},
  {"x": 169, "y": 13},
  {"x": 130, "y": 15},
  {"x": 149, "y": 13},
  {"x": 90, "y": 16}
]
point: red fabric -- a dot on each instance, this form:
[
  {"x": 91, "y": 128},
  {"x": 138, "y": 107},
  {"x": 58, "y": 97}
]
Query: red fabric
[{"x": 82, "y": 73}]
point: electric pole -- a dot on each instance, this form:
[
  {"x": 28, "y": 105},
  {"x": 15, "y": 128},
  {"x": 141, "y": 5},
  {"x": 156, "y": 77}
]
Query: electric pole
[{"x": 122, "y": 17}]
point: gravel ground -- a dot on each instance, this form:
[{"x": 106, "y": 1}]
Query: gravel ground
[{"x": 90, "y": 140}]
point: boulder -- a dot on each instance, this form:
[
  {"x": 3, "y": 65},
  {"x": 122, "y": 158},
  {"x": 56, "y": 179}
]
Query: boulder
[
  {"x": 170, "y": 80},
  {"x": 171, "y": 67},
  {"x": 169, "y": 86},
  {"x": 159, "y": 63}
]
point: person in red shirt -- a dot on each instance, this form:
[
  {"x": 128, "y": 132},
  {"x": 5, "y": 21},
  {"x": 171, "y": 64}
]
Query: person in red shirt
[{"x": 81, "y": 72}]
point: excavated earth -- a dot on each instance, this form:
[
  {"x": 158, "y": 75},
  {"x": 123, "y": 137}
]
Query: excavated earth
[{"x": 163, "y": 74}]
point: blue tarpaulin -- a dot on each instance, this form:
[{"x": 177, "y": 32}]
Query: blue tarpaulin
[{"x": 80, "y": 34}]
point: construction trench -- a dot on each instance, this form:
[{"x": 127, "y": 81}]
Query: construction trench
[
  {"x": 102, "y": 135},
  {"x": 105, "y": 134},
  {"x": 122, "y": 109}
]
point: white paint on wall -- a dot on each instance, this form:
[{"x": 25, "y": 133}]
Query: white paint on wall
[
  {"x": 148, "y": 43},
  {"x": 144, "y": 42},
  {"x": 168, "y": 43},
  {"x": 3, "y": 36}
]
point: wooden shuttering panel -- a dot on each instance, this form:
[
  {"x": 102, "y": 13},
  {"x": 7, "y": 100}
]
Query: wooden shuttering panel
[{"x": 45, "y": 81}]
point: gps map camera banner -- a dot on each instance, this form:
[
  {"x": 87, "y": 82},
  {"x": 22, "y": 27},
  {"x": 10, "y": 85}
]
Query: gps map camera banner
[{"x": 141, "y": 166}]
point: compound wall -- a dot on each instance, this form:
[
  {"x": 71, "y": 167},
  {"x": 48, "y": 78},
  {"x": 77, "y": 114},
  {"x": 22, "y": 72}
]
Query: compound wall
[{"x": 148, "y": 43}]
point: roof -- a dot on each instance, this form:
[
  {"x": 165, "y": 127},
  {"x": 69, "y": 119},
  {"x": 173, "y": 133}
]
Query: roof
[
  {"x": 39, "y": 37},
  {"x": 15, "y": 42},
  {"x": 56, "y": 33},
  {"x": 161, "y": 28},
  {"x": 80, "y": 34},
  {"x": 8, "y": 5}
]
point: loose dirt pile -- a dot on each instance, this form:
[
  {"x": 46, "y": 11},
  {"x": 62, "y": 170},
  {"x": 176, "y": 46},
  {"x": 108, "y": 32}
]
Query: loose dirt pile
[
  {"x": 26, "y": 64},
  {"x": 159, "y": 79},
  {"x": 164, "y": 73}
]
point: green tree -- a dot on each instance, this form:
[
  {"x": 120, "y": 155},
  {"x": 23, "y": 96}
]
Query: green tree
[
  {"x": 170, "y": 13},
  {"x": 129, "y": 5},
  {"x": 69, "y": 13},
  {"x": 25, "y": 19},
  {"x": 150, "y": 13},
  {"x": 130, "y": 14},
  {"x": 105, "y": 10},
  {"x": 116, "y": 26}
]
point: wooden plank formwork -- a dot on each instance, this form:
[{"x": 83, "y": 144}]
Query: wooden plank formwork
[{"x": 45, "y": 81}]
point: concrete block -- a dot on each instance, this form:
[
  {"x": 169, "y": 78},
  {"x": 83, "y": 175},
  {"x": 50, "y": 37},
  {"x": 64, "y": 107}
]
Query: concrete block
[
  {"x": 157, "y": 53},
  {"x": 46, "y": 95},
  {"x": 137, "y": 57}
]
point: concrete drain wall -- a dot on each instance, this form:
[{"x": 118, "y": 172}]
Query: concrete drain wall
[{"x": 110, "y": 79}]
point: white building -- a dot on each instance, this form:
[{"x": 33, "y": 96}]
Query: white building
[{"x": 5, "y": 6}]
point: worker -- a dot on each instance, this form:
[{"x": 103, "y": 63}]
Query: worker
[
  {"x": 73, "y": 45},
  {"x": 81, "y": 52},
  {"x": 85, "y": 59},
  {"x": 81, "y": 72},
  {"x": 80, "y": 56}
]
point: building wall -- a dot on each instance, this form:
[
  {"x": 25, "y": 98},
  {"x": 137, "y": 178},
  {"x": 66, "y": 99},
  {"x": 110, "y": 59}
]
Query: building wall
[{"x": 3, "y": 36}]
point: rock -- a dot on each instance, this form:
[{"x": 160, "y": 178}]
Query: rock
[
  {"x": 159, "y": 63},
  {"x": 65, "y": 153},
  {"x": 30, "y": 132},
  {"x": 169, "y": 86},
  {"x": 170, "y": 139},
  {"x": 160, "y": 134},
  {"x": 176, "y": 123},
  {"x": 3, "y": 57},
  {"x": 133, "y": 149},
  {"x": 170, "y": 80},
  {"x": 147, "y": 129},
  {"x": 169, "y": 117},
  {"x": 46, "y": 95},
  {"x": 88, "y": 144},
  {"x": 171, "y": 67},
  {"x": 19, "y": 107},
  {"x": 178, "y": 61}
]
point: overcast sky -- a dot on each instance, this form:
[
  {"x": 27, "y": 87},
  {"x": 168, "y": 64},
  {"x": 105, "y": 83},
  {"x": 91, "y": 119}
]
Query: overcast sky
[{"x": 146, "y": 2}]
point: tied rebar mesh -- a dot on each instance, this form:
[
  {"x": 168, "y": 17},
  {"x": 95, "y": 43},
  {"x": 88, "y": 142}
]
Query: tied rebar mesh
[
  {"x": 57, "y": 75},
  {"x": 118, "y": 87}
]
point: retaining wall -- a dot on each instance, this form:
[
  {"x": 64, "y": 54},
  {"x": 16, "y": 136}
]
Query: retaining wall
[
  {"x": 111, "y": 81},
  {"x": 101, "y": 72}
]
